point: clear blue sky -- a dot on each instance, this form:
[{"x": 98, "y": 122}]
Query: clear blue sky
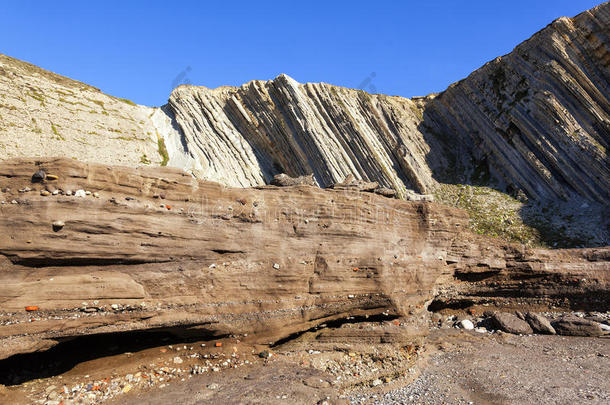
[{"x": 137, "y": 50}]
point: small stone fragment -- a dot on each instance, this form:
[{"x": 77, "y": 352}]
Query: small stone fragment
[
  {"x": 80, "y": 193},
  {"x": 265, "y": 354},
  {"x": 316, "y": 382},
  {"x": 44, "y": 193},
  {"x": 39, "y": 176},
  {"x": 58, "y": 226},
  {"x": 276, "y": 266},
  {"x": 177, "y": 360}
]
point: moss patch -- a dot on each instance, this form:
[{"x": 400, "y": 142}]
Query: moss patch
[
  {"x": 57, "y": 134},
  {"x": 491, "y": 212},
  {"x": 496, "y": 214},
  {"x": 162, "y": 150}
]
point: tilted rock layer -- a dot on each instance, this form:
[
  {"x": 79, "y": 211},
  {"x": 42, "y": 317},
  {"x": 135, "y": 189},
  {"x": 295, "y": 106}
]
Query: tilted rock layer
[
  {"x": 154, "y": 248},
  {"x": 535, "y": 120}
]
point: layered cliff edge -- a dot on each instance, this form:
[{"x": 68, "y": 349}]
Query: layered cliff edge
[
  {"x": 532, "y": 123},
  {"x": 149, "y": 249}
]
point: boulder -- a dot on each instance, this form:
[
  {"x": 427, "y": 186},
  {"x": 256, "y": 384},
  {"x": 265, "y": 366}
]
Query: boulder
[
  {"x": 574, "y": 326},
  {"x": 412, "y": 196},
  {"x": 510, "y": 323},
  {"x": 539, "y": 324},
  {"x": 351, "y": 183},
  {"x": 386, "y": 192},
  {"x": 283, "y": 180}
]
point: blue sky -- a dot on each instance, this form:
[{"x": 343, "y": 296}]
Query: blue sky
[{"x": 138, "y": 50}]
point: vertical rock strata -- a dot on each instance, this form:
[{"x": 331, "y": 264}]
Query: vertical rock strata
[
  {"x": 539, "y": 116},
  {"x": 537, "y": 119}
]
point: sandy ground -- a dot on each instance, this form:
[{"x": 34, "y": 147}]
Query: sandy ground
[{"x": 508, "y": 369}]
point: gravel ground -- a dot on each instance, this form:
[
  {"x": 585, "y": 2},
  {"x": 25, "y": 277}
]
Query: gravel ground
[{"x": 508, "y": 369}]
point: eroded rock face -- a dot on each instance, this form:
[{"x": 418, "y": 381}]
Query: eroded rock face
[
  {"x": 215, "y": 261},
  {"x": 267, "y": 262}
]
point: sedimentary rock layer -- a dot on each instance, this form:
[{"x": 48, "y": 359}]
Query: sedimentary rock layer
[{"x": 154, "y": 248}]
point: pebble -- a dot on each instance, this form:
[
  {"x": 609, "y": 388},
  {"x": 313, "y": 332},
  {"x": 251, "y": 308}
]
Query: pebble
[
  {"x": 265, "y": 354},
  {"x": 58, "y": 225},
  {"x": 80, "y": 194},
  {"x": 39, "y": 176},
  {"x": 466, "y": 324},
  {"x": 177, "y": 360},
  {"x": 69, "y": 192},
  {"x": 114, "y": 306},
  {"x": 96, "y": 194},
  {"x": 276, "y": 266},
  {"x": 44, "y": 193},
  {"x": 55, "y": 192}
]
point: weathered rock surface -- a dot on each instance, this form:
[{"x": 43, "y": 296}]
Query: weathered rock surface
[
  {"x": 202, "y": 260},
  {"x": 575, "y": 326},
  {"x": 539, "y": 323},
  {"x": 283, "y": 180},
  {"x": 532, "y": 122},
  {"x": 514, "y": 277},
  {"x": 511, "y": 323}
]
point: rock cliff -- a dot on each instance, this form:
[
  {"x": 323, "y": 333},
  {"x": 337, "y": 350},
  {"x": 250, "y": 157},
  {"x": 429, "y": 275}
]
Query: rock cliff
[
  {"x": 533, "y": 122},
  {"x": 97, "y": 249}
]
